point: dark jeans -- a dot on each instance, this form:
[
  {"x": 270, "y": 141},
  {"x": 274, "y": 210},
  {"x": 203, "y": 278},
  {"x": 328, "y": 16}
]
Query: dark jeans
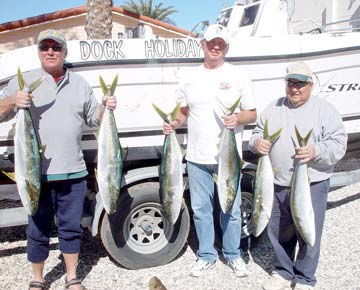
[
  {"x": 65, "y": 200},
  {"x": 284, "y": 237}
]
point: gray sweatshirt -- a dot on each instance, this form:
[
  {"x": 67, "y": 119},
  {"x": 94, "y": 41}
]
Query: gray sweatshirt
[
  {"x": 59, "y": 113},
  {"x": 328, "y": 136}
]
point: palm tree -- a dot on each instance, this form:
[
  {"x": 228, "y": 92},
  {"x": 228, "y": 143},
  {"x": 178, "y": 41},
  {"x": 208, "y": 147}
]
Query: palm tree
[
  {"x": 99, "y": 19},
  {"x": 145, "y": 7}
]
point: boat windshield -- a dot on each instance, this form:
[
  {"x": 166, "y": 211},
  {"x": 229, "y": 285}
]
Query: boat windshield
[
  {"x": 249, "y": 15},
  {"x": 247, "y": 18},
  {"x": 224, "y": 17}
]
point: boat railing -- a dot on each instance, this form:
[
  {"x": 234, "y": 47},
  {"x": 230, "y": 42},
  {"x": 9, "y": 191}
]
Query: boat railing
[
  {"x": 324, "y": 28},
  {"x": 349, "y": 28}
]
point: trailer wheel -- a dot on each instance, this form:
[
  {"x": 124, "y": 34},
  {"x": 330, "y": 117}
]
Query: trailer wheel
[{"x": 138, "y": 235}]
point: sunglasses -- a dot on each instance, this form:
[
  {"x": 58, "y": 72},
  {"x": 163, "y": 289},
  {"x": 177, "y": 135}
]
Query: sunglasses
[
  {"x": 55, "y": 47},
  {"x": 297, "y": 84}
]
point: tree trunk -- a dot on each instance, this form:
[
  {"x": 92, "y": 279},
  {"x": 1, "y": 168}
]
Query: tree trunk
[{"x": 99, "y": 19}]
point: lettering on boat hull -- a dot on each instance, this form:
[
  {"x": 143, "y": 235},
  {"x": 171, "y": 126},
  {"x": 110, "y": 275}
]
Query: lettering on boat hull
[{"x": 128, "y": 49}]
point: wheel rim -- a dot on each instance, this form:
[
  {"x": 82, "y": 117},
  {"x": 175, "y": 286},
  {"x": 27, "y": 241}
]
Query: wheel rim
[
  {"x": 246, "y": 212},
  {"x": 145, "y": 230}
]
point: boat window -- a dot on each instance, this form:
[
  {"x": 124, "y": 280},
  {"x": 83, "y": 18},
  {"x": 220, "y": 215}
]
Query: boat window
[
  {"x": 249, "y": 15},
  {"x": 223, "y": 18}
]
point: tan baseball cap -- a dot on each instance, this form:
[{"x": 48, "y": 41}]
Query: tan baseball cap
[
  {"x": 299, "y": 71},
  {"x": 51, "y": 34}
]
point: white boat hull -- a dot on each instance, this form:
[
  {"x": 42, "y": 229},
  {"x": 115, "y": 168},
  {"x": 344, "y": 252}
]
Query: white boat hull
[{"x": 148, "y": 71}]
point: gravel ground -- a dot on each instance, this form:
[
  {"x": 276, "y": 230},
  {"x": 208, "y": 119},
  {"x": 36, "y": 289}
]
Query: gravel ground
[{"x": 338, "y": 269}]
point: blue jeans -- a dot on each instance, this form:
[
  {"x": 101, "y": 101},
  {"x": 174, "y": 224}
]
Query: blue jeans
[{"x": 202, "y": 187}]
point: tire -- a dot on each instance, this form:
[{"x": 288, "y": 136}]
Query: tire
[{"x": 138, "y": 235}]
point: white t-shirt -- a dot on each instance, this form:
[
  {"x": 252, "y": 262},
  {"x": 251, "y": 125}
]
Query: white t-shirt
[{"x": 200, "y": 89}]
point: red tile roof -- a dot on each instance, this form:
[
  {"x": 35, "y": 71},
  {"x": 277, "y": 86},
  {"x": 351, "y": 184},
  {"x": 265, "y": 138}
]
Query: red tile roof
[{"x": 81, "y": 10}]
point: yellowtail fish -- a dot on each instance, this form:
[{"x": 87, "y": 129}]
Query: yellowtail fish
[
  {"x": 264, "y": 187},
  {"x": 110, "y": 156},
  {"x": 171, "y": 170},
  {"x": 300, "y": 197},
  {"x": 27, "y": 153},
  {"x": 228, "y": 177}
]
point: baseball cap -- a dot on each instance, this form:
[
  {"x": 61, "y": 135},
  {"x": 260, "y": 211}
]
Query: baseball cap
[
  {"x": 217, "y": 31},
  {"x": 299, "y": 71},
  {"x": 51, "y": 34}
]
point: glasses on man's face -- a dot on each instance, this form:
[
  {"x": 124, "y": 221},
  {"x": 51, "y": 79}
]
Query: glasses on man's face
[
  {"x": 297, "y": 84},
  {"x": 55, "y": 47}
]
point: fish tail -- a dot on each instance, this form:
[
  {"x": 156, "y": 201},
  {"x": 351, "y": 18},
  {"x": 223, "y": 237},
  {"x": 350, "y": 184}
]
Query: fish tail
[
  {"x": 34, "y": 85},
  {"x": 303, "y": 140},
  {"x": 113, "y": 85},
  {"x": 269, "y": 137},
  {"x": 274, "y": 136},
  {"x": 228, "y": 110},
  {"x": 21, "y": 81},
  {"x": 11, "y": 175},
  {"x": 175, "y": 111},
  {"x": 162, "y": 114},
  {"x": 103, "y": 86}
]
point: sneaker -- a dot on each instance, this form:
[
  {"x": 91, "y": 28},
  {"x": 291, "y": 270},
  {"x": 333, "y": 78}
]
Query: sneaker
[
  {"x": 201, "y": 267},
  {"x": 299, "y": 286},
  {"x": 276, "y": 282},
  {"x": 239, "y": 267}
]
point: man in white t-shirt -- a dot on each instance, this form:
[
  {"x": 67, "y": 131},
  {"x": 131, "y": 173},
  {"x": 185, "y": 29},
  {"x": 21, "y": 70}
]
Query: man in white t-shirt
[{"x": 198, "y": 91}]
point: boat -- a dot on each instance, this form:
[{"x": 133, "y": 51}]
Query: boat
[
  {"x": 262, "y": 43},
  {"x": 264, "y": 40}
]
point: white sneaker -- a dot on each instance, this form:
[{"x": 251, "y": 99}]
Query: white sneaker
[
  {"x": 239, "y": 267},
  {"x": 201, "y": 267},
  {"x": 299, "y": 286},
  {"x": 276, "y": 282}
]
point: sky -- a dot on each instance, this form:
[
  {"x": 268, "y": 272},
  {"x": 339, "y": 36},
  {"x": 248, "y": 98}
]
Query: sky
[{"x": 190, "y": 12}]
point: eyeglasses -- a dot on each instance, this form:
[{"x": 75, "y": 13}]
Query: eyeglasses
[
  {"x": 298, "y": 84},
  {"x": 55, "y": 47}
]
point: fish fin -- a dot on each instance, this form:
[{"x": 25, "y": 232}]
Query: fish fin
[
  {"x": 266, "y": 130},
  {"x": 162, "y": 114},
  {"x": 215, "y": 176},
  {"x": 175, "y": 111},
  {"x": 275, "y": 170},
  {"x": 21, "y": 81},
  {"x": 42, "y": 149},
  {"x": 35, "y": 84},
  {"x": 11, "y": 175},
  {"x": 183, "y": 151},
  {"x": 103, "y": 86},
  {"x": 113, "y": 85},
  {"x": 274, "y": 136}
]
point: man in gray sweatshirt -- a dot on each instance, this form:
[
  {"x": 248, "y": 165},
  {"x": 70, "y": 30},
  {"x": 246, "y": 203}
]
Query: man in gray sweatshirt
[
  {"x": 60, "y": 106},
  {"x": 326, "y": 146}
]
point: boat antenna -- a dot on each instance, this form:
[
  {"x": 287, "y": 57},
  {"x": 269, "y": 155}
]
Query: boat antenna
[{"x": 224, "y": 4}]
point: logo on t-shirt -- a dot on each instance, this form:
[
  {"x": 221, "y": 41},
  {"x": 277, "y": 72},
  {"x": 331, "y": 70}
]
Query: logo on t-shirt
[{"x": 224, "y": 86}]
